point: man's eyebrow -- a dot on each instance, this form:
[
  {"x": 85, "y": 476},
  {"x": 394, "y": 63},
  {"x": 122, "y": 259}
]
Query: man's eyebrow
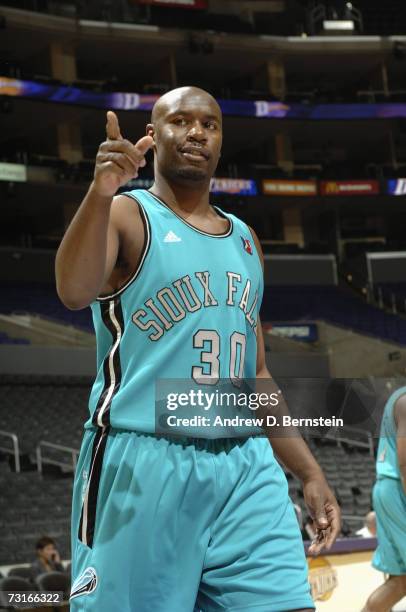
[{"x": 187, "y": 112}]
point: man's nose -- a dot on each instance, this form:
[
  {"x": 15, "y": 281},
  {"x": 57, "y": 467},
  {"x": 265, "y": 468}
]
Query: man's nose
[{"x": 197, "y": 131}]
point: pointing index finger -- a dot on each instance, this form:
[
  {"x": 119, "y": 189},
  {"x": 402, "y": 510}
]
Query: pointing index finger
[{"x": 113, "y": 127}]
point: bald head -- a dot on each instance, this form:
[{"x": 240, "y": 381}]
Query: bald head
[
  {"x": 176, "y": 98},
  {"x": 186, "y": 126}
]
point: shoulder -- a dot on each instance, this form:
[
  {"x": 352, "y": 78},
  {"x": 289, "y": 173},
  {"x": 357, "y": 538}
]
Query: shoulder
[
  {"x": 126, "y": 211},
  {"x": 128, "y": 201},
  {"x": 257, "y": 244}
]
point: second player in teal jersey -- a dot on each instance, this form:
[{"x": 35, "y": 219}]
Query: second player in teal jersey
[
  {"x": 389, "y": 501},
  {"x": 165, "y": 524}
]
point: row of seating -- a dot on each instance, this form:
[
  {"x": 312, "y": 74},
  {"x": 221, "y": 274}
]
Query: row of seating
[
  {"x": 280, "y": 303},
  {"x": 55, "y": 582},
  {"x": 37, "y": 410},
  {"x": 332, "y": 304},
  {"x": 351, "y": 474}
]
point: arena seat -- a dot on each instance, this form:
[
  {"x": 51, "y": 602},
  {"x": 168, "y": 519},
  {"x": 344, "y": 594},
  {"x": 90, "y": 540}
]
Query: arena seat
[
  {"x": 54, "y": 582},
  {"x": 13, "y": 584},
  {"x": 31, "y": 506},
  {"x": 43, "y": 408},
  {"x": 42, "y": 299},
  {"x": 332, "y": 304},
  {"x": 350, "y": 472},
  {"x": 22, "y": 571}
]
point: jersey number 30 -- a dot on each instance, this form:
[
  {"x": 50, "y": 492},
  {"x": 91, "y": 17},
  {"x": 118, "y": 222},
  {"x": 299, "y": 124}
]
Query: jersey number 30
[{"x": 210, "y": 373}]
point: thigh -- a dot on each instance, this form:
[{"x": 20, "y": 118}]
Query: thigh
[
  {"x": 151, "y": 528},
  {"x": 389, "y": 503},
  {"x": 255, "y": 559}
]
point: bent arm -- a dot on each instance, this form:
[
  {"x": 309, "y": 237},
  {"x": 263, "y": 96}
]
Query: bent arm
[{"x": 88, "y": 251}]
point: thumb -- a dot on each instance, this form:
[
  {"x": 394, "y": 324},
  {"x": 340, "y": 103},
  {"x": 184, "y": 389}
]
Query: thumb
[
  {"x": 320, "y": 516},
  {"x": 113, "y": 127},
  {"x": 144, "y": 144}
]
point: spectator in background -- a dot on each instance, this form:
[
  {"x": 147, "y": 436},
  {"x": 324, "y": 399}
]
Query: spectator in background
[
  {"x": 48, "y": 558},
  {"x": 369, "y": 528}
]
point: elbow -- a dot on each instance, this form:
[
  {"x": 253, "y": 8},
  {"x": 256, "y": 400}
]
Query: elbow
[
  {"x": 71, "y": 300},
  {"x": 263, "y": 372},
  {"x": 73, "y": 304},
  {"x": 71, "y": 294}
]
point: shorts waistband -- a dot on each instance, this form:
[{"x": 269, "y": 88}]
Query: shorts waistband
[{"x": 211, "y": 444}]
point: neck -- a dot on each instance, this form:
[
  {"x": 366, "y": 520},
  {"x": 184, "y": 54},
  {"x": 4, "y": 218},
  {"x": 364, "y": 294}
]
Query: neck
[{"x": 182, "y": 197}]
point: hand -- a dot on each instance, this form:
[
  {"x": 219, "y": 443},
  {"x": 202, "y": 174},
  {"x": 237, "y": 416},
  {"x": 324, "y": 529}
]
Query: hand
[
  {"x": 56, "y": 557},
  {"x": 325, "y": 512},
  {"x": 118, "y": 160}
]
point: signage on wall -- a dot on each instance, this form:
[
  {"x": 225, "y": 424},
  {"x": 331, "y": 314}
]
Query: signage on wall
[
  {"x": 289, "y": 188},
  {"x": 193, "y": 4},
  {"x": 340, "y": 188},
  {"x": 397, "y": 187},
  {"x": 233, "y": 186},
  {"x": 15, "y": 173}
]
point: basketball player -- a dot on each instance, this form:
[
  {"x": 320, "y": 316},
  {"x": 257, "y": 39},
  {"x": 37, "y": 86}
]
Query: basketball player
[
  {"x": 389, "y": 501},
  {"x": 161, "y": 524}
]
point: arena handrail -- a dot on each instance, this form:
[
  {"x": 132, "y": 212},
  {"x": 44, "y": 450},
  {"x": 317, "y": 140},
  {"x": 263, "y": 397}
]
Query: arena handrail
[
  {"x": 16, "y": 448},
  {"x": 355, "y": 430},
  {"x": 74, "y": 452}
]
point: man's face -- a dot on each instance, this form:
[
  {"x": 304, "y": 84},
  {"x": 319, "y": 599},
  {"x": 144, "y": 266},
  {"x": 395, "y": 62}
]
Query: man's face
[
  {"x": 48, "y": 551},
  {"x": 188, "y": 136}
]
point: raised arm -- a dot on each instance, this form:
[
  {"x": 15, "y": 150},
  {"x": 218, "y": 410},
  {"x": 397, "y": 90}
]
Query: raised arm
[{"x": 90, "y": 247}]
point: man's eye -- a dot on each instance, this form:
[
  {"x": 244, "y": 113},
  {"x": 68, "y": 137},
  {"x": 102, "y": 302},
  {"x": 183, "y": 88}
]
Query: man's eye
[
  {"x": 210, "y": 125},
  {"x": 180, "y": 121}
]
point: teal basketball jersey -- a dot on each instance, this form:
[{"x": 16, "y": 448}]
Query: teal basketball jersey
[
  {"x": 387, "y": 463},
  {"x": 189, "y": 311}
]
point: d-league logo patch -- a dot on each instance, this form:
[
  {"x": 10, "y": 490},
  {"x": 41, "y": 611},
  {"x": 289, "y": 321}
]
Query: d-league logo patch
[
  {"x": 246, "y": 245},
  {"x": 85, "y": 584}
]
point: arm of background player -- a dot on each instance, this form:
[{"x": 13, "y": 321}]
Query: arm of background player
[
  {"x": 296, "y": 456},
  {"x": 400, "y": 419}
]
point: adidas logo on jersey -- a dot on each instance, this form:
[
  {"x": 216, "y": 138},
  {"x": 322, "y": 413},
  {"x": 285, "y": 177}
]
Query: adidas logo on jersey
[{"x": 172, "y": 237}]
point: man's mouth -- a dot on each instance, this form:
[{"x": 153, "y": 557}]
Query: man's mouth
[{"x": 194, "y": 153}]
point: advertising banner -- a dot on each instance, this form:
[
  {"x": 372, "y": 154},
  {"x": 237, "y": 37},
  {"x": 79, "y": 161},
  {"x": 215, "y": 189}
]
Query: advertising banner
[
  {"x": 240, "y": 108},
  {"x": 305, "y": 332},
  {"x": 193, "y": 4},
  {"x": 233, "y": 186},
  {"x": 397, "y": 187},
  {"x": 289, "y": 188},
  {"x": 340, "y": 188},
  {"x": 16, "y": 173}
]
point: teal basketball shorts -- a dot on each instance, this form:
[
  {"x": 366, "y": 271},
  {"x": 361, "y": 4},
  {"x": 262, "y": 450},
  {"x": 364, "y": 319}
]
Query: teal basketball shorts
[
  {"x": 166, "y": 525},
  {"x": 389, "y": 502}
]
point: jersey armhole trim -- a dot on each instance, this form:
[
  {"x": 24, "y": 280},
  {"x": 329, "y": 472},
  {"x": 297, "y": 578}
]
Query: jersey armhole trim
[
  {"x": 144, "y": 253},
  {"x": 262, "y": 268}
]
